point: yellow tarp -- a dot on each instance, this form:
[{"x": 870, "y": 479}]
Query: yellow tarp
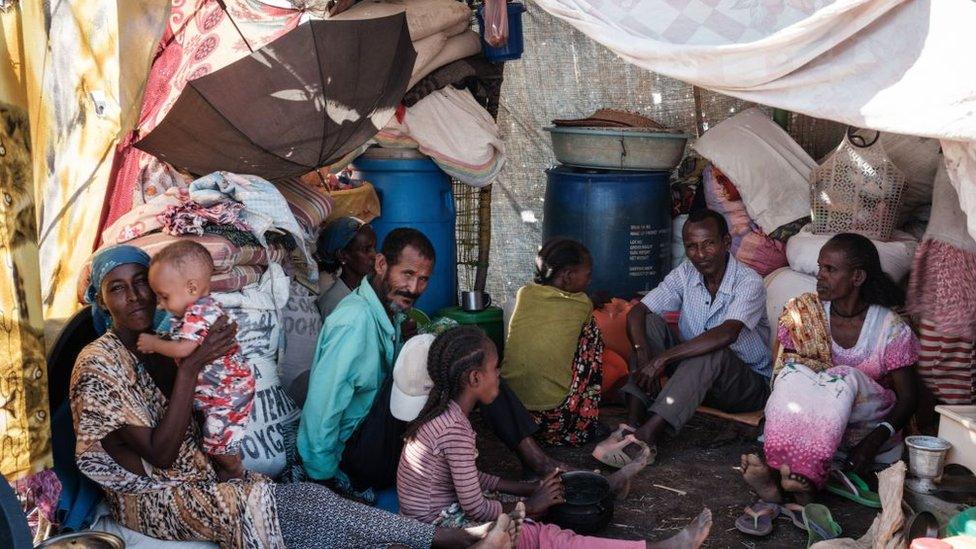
[
  {"x": 25, "y": 437},
  {"x": 63, "y": 64}
]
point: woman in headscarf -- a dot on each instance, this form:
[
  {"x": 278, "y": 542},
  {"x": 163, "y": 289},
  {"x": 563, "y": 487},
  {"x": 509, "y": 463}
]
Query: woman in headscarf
[
  {"x": 843, "y": 376},
  {"x": 346, "y": 249},
  {"x": 136, "y": 439}
]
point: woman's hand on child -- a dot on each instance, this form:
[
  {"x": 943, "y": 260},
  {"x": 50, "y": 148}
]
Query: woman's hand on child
[
  {"x": 219, "y": 340},
  {"x": 147, "y": 343},
  {"x": 549, "y": 492}
]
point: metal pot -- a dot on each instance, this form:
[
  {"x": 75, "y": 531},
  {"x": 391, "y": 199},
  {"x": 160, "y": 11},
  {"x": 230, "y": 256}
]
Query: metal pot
[
  {"x": 617, "y": 148},
  {"x": 589, "y": 503},
  {"x": 83, "y": 540}
]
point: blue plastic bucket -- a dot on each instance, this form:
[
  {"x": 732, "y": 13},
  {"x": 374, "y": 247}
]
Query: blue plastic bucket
[
  {"x": 415, "y": 193},
  {"x": 514, "y": 48}
]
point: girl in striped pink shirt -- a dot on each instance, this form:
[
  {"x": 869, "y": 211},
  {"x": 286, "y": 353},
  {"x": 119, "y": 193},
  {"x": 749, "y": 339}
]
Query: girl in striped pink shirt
[{"x": 438, "y": 481}]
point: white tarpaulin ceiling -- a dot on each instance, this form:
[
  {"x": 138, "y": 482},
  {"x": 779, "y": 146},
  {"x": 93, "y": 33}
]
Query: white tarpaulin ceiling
[{"x": 901, "y": 66}]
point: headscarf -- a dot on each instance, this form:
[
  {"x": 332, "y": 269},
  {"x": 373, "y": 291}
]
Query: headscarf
[
  {"x": 805, "y": 320},
  {"x": 335, "y": 236},
  {"x": 104, "y": 261}
]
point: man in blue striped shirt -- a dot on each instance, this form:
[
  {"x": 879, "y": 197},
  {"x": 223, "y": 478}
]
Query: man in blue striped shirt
[{"x": 721, "y": 358}]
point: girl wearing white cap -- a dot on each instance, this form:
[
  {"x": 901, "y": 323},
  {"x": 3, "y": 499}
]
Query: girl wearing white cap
[{"x": 438, "y": 481}]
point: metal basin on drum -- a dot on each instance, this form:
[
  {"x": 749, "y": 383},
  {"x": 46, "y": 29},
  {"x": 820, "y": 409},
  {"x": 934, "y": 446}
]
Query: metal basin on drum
[{"x": 617, "y": 148}]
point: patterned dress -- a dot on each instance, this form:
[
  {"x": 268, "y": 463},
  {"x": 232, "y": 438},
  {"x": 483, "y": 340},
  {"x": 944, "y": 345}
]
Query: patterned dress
[
  {"x": 571, "y": 423},
  {"x": 814, "y": 410},
  {"x": 225, "y": 388},
  {"x": 110, "y": 389}
]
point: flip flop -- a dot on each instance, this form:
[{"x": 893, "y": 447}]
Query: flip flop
[
  {"x": 757, "y": 519},
  {"x": 850, "y": 485},
  {"x": 611, "y": 452},
  {"x": 820, "y": 524},
  {"x": 794, "y": 512}
]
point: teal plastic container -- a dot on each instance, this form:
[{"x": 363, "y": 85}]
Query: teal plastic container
[
  {"x": 623, "y": 217},
  {"x": 415, "y": 193}
]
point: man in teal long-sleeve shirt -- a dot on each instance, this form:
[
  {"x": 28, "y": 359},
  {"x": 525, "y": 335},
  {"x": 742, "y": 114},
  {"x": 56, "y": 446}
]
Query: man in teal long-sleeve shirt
[
  {"x": 356, "y": 349},
  {"x": 355, "y": 355}
]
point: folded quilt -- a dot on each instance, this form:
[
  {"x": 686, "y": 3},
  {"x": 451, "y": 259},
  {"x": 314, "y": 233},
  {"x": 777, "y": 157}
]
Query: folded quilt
[{"x": 455, "y": 131}]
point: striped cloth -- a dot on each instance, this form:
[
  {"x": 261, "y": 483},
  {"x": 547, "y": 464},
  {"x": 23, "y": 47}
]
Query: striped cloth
[
  {"x": 946, "y": 365},
  {"x": 437, "y": 468}
]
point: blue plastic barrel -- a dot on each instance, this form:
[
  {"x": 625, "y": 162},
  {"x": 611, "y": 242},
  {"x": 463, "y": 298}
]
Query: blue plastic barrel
[
  {"x": 623, "y": 217},
  {"x": 415, "y": 193},
  {"x": 514, "y": 48}
]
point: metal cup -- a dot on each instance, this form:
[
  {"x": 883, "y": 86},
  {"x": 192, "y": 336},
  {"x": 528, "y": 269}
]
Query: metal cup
[
  {"x": 474, "y": 301},
  {"x": 926, "y": 457}
]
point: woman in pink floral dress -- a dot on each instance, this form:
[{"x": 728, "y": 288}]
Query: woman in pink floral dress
[{"x": 844, "y": 385}]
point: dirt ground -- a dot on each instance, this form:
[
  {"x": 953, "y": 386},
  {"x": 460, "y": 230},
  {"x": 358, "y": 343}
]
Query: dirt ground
[{"x": 699, "y": 462}]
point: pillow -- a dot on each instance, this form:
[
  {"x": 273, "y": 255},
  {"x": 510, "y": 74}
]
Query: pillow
[
  {"x": 311, "y": 205},
  {"x": 236, "y": 278},
  {"x": 762, "y": 253},
  {"x": 897, "y": 255},
  {"x": 258, "y": 255},
  {"x": 749, "y": 244},
  {"x": 222, "y": 251},
  {"x": 769, "y": 168}
]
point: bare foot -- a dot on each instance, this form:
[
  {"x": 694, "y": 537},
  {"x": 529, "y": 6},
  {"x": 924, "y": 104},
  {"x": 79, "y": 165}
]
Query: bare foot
[
  {"x": 620, "y": 480},
  {"x": 798, "y": 485},
  {"x": 518, "y": 518},
  {"x": 759, "y": 477},
  {"x": 691, "y": 537},
  {"x": 499, "y": 536}
]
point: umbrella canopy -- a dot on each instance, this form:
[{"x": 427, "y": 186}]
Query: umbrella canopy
[{"x": 301, "y": 102}]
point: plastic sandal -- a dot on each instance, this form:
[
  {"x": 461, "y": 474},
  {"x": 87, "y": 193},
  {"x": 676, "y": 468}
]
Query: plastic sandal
[
  {"x": 757, "y": 519},
  {"x": 611, "y": 452},
  {"x": 608, "y": 446},
  {"x": 794, "y": 512},
  {"x": 851, "y": 486},
  {"x": 820, "y": 524}
]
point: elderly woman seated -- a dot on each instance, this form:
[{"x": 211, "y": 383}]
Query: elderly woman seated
[
  {"x": 345, "y": 249},
  {"x": 136, "y": 439},
  {"x": 554, "y": 352},
  {"x": 844, "y": 385}
]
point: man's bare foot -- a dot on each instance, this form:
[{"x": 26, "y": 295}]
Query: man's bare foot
[
  {"x": 620, "y": 480},
  {"x": 499, "y": 536},
  {"x": 796, "y": 484},
  {"x": 759, "y": 477},
  {"x": 691, "y": 537}
]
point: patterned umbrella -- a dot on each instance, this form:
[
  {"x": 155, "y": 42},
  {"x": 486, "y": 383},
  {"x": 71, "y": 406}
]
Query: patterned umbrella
[{"x": 301, "y": 102}]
